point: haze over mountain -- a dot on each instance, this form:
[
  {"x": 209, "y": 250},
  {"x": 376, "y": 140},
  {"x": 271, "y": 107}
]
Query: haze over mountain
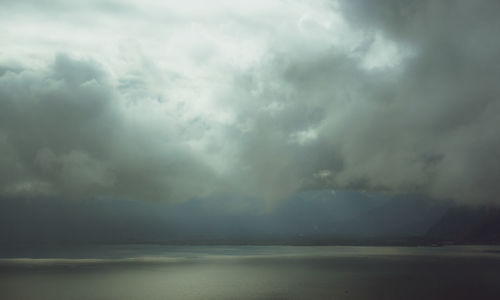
[{"x": 346, "y": 217}]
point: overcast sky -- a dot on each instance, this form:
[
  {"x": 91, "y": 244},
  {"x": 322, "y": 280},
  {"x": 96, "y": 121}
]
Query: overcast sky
[{"x": 174, "y": 100}]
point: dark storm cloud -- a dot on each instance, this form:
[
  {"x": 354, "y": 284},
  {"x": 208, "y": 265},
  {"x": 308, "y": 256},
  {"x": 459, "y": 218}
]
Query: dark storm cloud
[
  {"x": 434, "y": 125},
  {"x": 61, "y": 133},
  {"x": 426, "y": 125},
  {"x": 398, "y": 96}
]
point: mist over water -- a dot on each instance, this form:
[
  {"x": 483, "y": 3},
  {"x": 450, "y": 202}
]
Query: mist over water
[{"x": 274, "y": 272}]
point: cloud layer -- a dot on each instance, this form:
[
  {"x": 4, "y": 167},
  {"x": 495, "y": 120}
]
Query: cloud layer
[{"x": 163, "y": 101}]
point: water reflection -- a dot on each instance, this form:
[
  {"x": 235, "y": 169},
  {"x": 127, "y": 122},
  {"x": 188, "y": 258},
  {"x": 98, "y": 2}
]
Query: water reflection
[{"x": 260, "y": 273}]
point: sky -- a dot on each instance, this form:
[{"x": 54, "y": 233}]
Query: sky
[{"x": 170, "y": 101}]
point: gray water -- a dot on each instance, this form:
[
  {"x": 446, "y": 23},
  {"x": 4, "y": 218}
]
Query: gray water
[{"x": 244, "y": 272}]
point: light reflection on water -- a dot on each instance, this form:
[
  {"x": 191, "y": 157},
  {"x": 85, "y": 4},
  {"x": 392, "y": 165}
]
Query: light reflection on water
[
  {"x": 271, "y": 272},
  {"x": 138, "y": 250}
]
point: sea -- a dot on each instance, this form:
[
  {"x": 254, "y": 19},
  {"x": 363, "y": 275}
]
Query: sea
[{"x": 248, "y": 272}]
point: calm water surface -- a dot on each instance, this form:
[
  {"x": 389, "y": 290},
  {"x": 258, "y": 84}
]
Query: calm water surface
[{"x": 249, "y": 272}]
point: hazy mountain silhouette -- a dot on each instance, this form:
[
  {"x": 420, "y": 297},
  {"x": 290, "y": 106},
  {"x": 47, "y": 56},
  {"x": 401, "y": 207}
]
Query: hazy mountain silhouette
[
  {"x": 307, "y": 217},
  {"x": 463, "y": 224}
]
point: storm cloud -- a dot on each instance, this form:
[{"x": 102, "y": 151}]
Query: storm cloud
[
  {"x": 64, "y": 133},
  {"x": 170, "y": 101}
]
